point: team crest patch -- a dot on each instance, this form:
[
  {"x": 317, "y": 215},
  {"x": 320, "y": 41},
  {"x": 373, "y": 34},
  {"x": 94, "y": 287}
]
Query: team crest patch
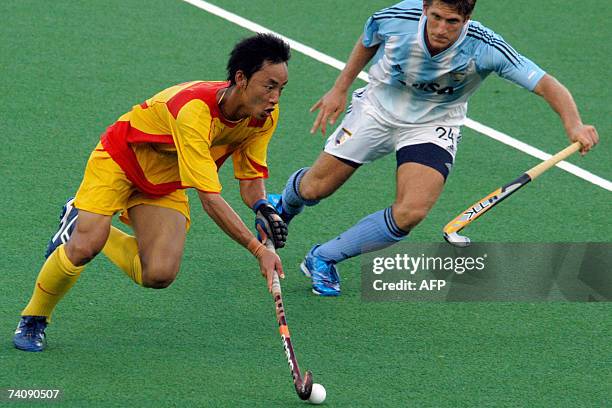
[
  {"x": 457, "y": 76},
  {"x": 342, "y": 136}
]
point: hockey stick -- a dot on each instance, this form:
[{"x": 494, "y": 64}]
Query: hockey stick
[
  {"x": 480, "y": 207},
  {"x": 303, "y": 385}
]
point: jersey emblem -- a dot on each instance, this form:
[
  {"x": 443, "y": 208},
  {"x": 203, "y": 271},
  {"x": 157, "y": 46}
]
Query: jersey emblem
[
  {"x": 457, "y": 76},
  {"x": 342, "y": 136}
]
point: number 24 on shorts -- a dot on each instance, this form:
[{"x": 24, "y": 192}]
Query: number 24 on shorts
[{"x": 449, "y": 135}]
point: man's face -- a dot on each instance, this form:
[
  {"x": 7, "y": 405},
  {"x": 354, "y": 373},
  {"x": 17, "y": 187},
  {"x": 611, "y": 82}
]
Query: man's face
[
  {"x": 444, "y": 25},
  {"x": 264, "y": 88}
]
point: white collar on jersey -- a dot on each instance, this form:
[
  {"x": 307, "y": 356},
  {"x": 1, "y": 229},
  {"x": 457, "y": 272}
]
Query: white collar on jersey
[{"x": 423, "y": 44}]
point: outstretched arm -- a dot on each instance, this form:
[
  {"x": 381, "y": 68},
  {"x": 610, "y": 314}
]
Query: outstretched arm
[
  {"x": 562, "y": 102},
  {"x": 227, "y": 219},
  {"x": 333, "y": 102}
]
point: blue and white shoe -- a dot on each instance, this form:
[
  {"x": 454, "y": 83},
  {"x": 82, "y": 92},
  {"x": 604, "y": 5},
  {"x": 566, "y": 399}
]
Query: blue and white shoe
[
  {"x": 67, "y": 223},
  {"x": 276, "y": 200},
  {"x": 324, "y": 275},
  {"x": 30, "y": 333}
]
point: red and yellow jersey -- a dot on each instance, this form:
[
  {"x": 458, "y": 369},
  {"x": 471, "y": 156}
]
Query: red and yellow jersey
[{"x": 184, "y": 125}]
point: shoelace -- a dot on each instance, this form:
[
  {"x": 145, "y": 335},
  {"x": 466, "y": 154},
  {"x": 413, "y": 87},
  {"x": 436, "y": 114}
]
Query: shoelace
[
  {"x": 31, "y": 328},
  {"x": 330, "y": 278}
]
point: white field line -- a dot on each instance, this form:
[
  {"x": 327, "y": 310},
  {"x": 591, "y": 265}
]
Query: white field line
[{"x": 472, "y": 124}]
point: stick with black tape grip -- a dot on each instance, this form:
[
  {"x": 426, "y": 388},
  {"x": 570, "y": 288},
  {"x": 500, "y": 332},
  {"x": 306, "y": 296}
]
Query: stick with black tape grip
[
  {"x": 485, "y": 204},
  {"x": 303, "y": 385}
]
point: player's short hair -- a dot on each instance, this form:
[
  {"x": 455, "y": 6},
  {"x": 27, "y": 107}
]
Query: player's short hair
[
  {"x": 250, "y": 54},
  {"x": 463, "y": 7}
]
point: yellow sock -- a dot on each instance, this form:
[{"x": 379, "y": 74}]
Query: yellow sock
[
  {"x": 55, "y": 279},
  {"x": 122, "y": 250}
]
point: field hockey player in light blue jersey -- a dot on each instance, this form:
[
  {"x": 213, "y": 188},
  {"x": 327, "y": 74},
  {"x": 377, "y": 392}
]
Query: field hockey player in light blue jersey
[{"x": 428, "y": 58}]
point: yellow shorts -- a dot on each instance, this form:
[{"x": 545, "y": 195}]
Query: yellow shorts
[{"x": 106, "y": 190}]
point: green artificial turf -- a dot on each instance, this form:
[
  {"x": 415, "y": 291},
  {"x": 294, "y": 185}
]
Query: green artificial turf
[{"x": 69, "y": 69}]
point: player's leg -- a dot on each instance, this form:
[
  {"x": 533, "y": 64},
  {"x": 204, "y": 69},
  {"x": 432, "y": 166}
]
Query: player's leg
[
  {"x": 421, "y": 175},
  {"x": 63, "y": 267},
  {"x": 308, "y": 185},
  {"x": 122, "y": 250},
  {"x": 160, "y": 233},
  {"x": 362, "y": 137},
  {"x": 373, "y": 232},
  {"x": 166, "y": 216},
  {"x": 422, "y": 171},
  {"x": 418, "y": 188},
  {"x": 81, "y": 235},
  {"x": 59, "y": 273}
]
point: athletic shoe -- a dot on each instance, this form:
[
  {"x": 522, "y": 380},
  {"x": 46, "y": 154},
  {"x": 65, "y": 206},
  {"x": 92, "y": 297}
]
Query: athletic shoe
[
  {"x": 324, "y": 275},
  {"x": 277, "y": 202},
  {"x": 30, "y": 333},
  {"x": 68, "y": 219}
]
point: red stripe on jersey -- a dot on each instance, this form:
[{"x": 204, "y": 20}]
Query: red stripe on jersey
[
  {"x": 249, "y": 178},
  {"x": 144, "y": 105},
  {"x": 204, "y": 91},
  {"x": 114, "y": 140},
  {"x": 259, "y": 168},
  {"x": 137, "y": 136}
]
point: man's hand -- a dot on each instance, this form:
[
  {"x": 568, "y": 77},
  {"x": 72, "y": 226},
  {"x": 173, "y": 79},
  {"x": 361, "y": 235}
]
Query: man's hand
[
  {"x": 272, "y": 224},
  {"x": 269, "y": 261},
  {"x": 269, "y": 264},
  {"x": 586, "y": 135},
  {"x": 330, "y": 106}
]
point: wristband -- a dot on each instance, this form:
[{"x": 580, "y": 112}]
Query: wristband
[
  {"x": 256, "y": 248},
  {"x": 259, "y": 203}
]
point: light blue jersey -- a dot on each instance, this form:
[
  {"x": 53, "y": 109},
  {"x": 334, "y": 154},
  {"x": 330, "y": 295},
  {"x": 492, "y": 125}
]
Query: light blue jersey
[{"x": 411, "y": 86}]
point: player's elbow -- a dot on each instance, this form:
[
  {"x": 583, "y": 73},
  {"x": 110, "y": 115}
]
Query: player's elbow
[
  {"x": 547, "y": 85},
  {"x": 208, "y": 200}
]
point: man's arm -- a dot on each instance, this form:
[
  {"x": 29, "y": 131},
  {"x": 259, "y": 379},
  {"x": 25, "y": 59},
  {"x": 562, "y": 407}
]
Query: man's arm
[
  {"x": 227, "y": 219},
  {"x": 562, "y": 102},
  {"x": 332, "y": 104},
  {"x": 253, "y": 193}
]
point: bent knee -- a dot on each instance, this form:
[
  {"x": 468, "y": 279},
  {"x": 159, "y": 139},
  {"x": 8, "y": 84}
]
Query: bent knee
[
  {"x": 80, "y": 252},
  {"x": 317, "y": 188},
  {"x": 156, "y": 282},
  {"x": 408, "y": 218},
  {"x": 313, "y": 191},
  {"x": 159, "y": 275}
]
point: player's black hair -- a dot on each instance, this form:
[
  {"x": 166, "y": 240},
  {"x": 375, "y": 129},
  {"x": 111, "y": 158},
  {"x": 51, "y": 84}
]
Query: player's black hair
[
  {"x": 463, "y": 7},
  {"x": 250, "y": 54}
]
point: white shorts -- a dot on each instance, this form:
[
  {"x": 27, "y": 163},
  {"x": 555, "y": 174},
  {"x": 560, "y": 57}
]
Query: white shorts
[{"x": 364, "y": 135}]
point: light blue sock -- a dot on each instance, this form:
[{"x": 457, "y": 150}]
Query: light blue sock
[
  {"x": 293, "y": 203},
  {"x": 374, "y": 232}
]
